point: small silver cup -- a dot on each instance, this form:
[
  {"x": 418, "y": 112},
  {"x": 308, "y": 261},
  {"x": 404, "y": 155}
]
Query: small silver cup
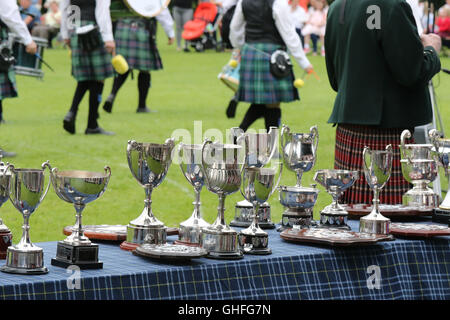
[
  {"x": 5, "y": 183},
  {"x": 220, "y": 165},
  {"x": 27, "y": 193},
  {"x": 78, "y": 188},
  {"x": 377, "y": 170},
  {"x": 259, "y": 149},
  {"x": 190, "y": 231},
  {"x": 258, "y": 184},
  {"x": 335, "y": 182},
  {"x": 149, "y": 163}
]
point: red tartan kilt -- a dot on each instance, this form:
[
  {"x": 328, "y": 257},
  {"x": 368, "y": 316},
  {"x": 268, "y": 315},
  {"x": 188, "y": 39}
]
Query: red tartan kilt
[{"x": 350, "y": 142}]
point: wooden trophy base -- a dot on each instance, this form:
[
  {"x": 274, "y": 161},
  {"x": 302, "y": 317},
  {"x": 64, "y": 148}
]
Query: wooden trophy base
[
  {"x": 5, "y": 242},
  {"x": 441, "y": 216},
  {"x": 128, "y": 246},
  {"x": 85, "y": 257}
]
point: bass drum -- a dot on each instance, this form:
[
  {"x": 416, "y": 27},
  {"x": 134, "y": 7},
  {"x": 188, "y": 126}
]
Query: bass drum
[{"x": 137, "y": 8}]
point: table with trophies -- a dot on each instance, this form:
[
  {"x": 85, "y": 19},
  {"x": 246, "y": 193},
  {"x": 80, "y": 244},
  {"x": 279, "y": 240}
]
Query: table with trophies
[{"x": 252, "y": 257}]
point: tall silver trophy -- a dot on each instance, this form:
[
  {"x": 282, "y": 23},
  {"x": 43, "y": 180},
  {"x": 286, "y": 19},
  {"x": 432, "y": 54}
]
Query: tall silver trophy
[
  {"x": 258, "y": 184},
  {"x": 190, "y": 156},
  {"x": 335, "y": 182},
  {"x": 149, "y": 163},
  {"x": 442, "y": 147},
  {"x": 420, "y": 167},
  {"x": 377, "y": 170},
  {"x": 27, "y": 193},
  {"x": 299, "y": 152},
  {"x": 5, "y": 183},
  {"x": 259, "y": 148},
  {"x": 78, "y": 188},
  {"x": 223, "y": 177}
]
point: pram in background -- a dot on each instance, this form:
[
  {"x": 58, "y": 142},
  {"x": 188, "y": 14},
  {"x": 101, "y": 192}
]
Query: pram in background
[{"x": 201, "y": 30}]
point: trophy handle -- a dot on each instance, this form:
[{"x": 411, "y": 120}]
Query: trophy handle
[
  {"x": 314, "y": 131},
  {"x": 46, "y": 164},
  {"x": 319, "y": 178},
  {"x": 406, "y": 134},
  {"x": 285, "y": 133},
  {"x": 278, "y": 180},
  {"x": 242, "y": 180},
  {"x": 273, "y": 134},
  {"x": 390, "y": 152},
  {"x": 202, "y": 166},
  {"x": 107, "y": 171},
  {"x": 434, "y": 136}
]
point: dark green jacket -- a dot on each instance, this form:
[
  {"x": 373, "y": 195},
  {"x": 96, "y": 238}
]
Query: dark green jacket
[{"x": 380, "y": 75}]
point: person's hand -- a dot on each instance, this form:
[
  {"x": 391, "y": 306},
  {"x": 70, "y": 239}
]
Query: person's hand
[
  {"x": 110, "y": 47},
  {"x": 309, "y": 69},
  {"x": 171, "y": 40},
  {"x": 67, "y": 42},
  {"x": 433, "y": 40},
  {"x": 31, "y": 48}
]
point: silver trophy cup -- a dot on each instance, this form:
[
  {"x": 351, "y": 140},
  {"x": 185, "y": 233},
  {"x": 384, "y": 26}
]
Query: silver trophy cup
[
  {"x": 335, "y": 182},
  {"x": 149, "y": 163},
  {"x": 442, "y": 147},
  {"x": 377, "y": 170},
  {"x": 78, "y": 188},
  {"x": 190, "y": 231},
  {"x": 259, "y": 148},
  {"x": 27, "y": 193},
  {"x": 5, "y": 183},
  {"x": 258, "y": 184},
  {"x": 222, "y": 175},
  {"x": 299, "y": 152},
  {"x": 420, "y": 167}
]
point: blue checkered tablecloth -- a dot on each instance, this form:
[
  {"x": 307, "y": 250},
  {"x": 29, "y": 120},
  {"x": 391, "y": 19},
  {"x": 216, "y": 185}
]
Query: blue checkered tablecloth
[{"x": 410, "y": 269}]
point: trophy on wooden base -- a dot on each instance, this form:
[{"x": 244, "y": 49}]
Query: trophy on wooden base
[
  {"x": 78, "y": 188},
  {"x": 149, "y": 163},
  {"x": 5, "y": 182},
  {"x": 299, "y": 152},
  {"x": 27, "y": 193}
]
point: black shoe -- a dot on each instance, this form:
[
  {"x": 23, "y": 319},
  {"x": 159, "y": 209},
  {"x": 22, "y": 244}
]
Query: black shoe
[
  {"x": 186, "y": 50},
  {"x": 107, "y": 106},
  {"x": 5, "y": 154},
  {"x": 98, "y": 130},
  {"x": 69, "y": 122},
  {"x": 144, "y": 110},
  {"x": 231, "y": 110}
]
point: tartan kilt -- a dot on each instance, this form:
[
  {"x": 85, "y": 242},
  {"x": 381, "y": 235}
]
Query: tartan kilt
[
  {"x": 8, "y": 88},
  {"x": 95, "y": 65},
  {"x": 350, "y": 142},
  {"x": 256, "y": 82},
  {"x": 133, "y": 43}
]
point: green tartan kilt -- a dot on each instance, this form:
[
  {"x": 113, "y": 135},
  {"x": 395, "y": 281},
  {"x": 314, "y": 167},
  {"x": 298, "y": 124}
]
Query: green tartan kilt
[
  {"x": 8, "y": 88},
  {"x": 95, "y": 65},
  {"x": 133, "y": 43},
  {"x": 256, "y": 82}
]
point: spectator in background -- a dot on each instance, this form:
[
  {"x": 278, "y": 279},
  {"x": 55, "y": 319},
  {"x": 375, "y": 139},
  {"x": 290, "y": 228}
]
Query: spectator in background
[
  {"x": 37, "y": 4},
  {"x": 316, "y": 25},
  {"x": 182, "y": 12},
  {"x": 443, "y": 22},
  {"x": 299, "y": 17},
  {"x": 51, "y": 22},
  {"x": 30, "y": 14}
]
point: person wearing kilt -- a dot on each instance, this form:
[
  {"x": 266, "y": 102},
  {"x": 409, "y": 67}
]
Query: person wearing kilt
[
  {"x": 10, "y": 20},
  {"x": 259, "y": 28},
  {"x": 380, "y": 69},
  {"x": 136, "y": 42},
  {"x": 92, "y": 44}
]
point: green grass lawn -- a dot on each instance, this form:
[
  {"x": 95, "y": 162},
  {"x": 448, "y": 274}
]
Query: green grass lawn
[{"x": 187, "y": 90}]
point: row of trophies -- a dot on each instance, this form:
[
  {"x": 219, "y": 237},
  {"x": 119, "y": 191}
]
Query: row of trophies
[{"x": 249, "y": 164}]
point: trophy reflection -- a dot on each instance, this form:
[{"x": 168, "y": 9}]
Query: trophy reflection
[
  {"x": 149, "y": 163},
  {"x": 78, "y": 188},
  {"x": 27, "y": 193}
]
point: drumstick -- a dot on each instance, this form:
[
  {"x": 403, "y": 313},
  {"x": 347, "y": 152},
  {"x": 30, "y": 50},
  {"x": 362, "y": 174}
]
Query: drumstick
[{"x": 42, "y": 60}]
